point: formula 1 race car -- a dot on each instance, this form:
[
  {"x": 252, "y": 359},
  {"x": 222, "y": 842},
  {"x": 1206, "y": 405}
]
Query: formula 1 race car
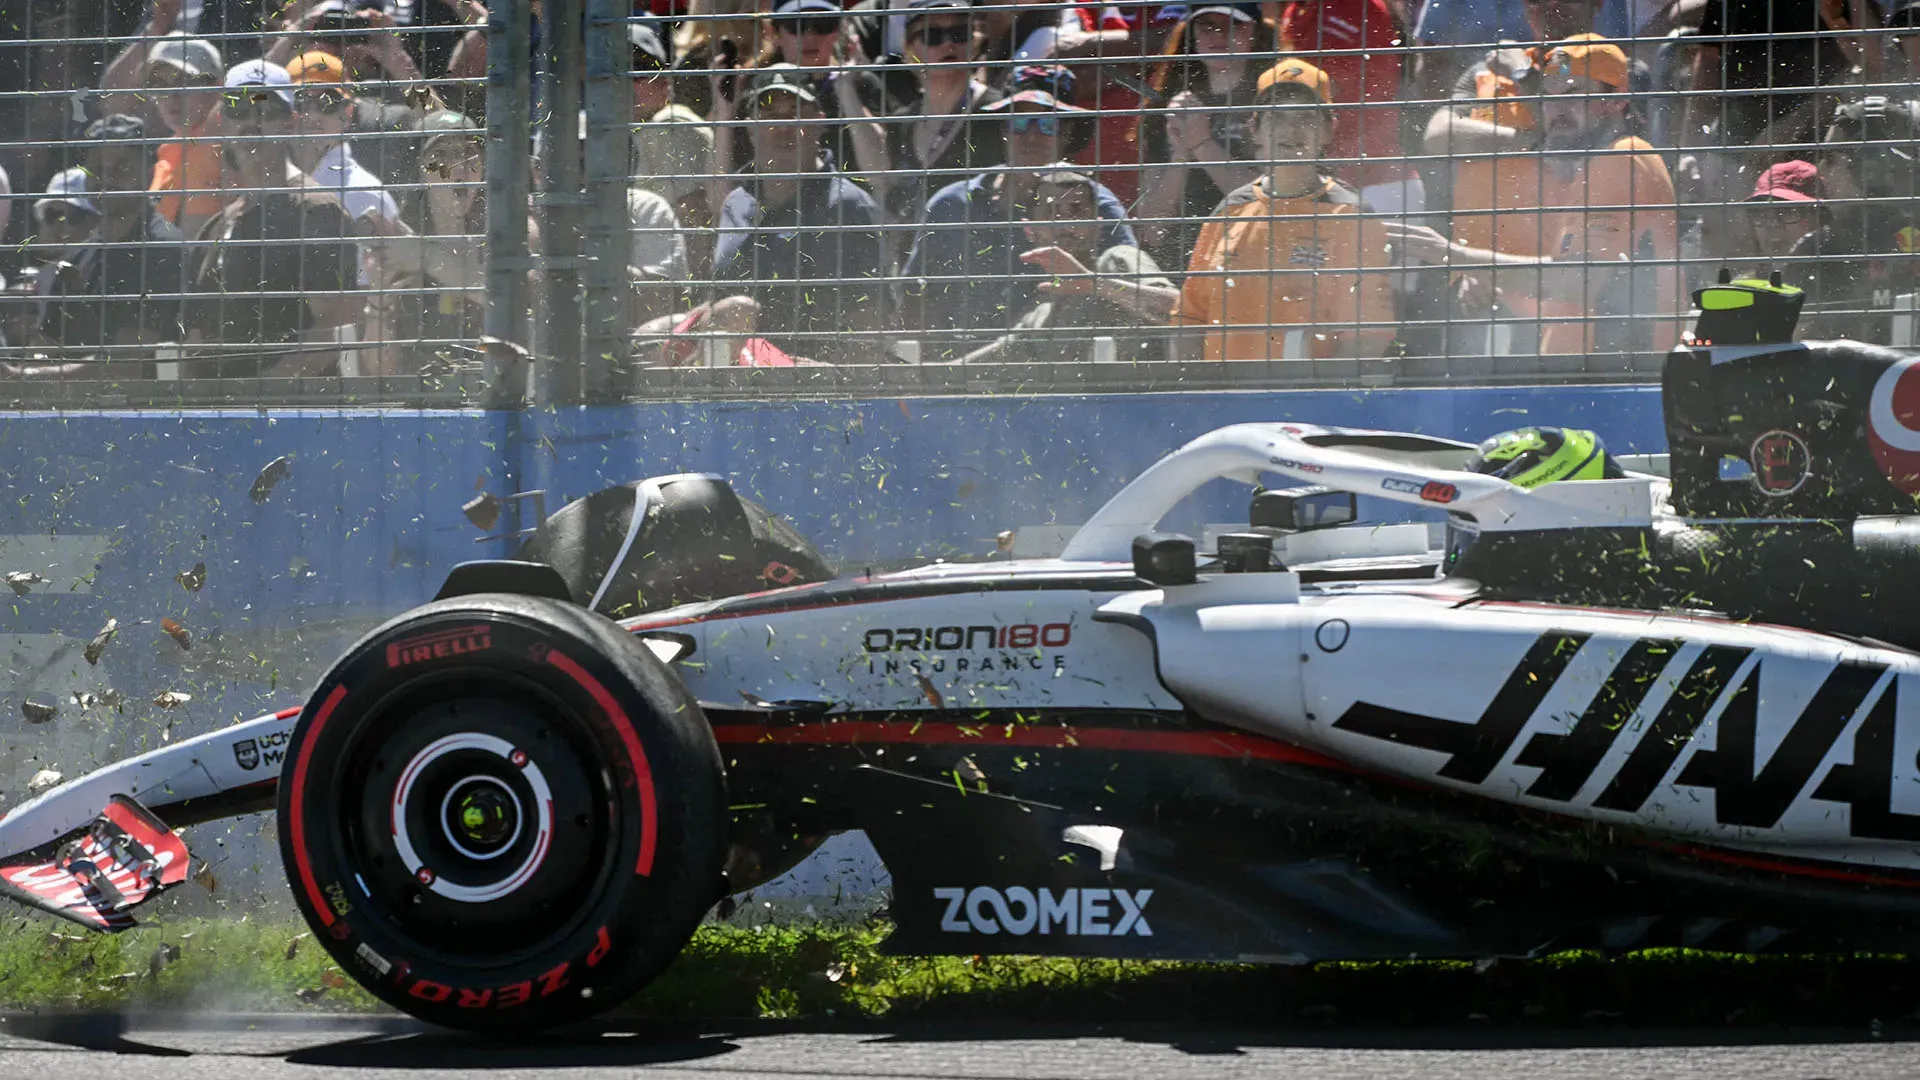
[{"x": 1609, "y": 707}]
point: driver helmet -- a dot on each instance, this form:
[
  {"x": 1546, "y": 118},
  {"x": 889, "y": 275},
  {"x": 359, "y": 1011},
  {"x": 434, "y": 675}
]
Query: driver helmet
[{"x": 1532, "y": 456}]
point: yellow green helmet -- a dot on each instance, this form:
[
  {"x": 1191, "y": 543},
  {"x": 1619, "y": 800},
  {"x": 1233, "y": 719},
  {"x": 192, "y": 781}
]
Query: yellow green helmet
[{"x": 1532, "y": 456}]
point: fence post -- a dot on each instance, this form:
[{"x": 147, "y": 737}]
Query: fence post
[
  {"x": 558, "y": 376},
  {"x": 609, "y": 103},
  {"x": 509, "y": 179}
]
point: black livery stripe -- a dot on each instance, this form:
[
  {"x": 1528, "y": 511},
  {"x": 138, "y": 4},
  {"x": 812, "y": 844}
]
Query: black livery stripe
[{"x": 1567, "y": 761}]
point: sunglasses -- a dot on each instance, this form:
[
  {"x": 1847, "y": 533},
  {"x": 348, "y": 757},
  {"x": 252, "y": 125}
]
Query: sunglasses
[
  {"x": 1039, "y": 124},
  {"x": 816, "y": 25},
  {"x": 264, "y": 104},
  {"x": 936, "y": 36},
  {"x": 324, "y": 102}
]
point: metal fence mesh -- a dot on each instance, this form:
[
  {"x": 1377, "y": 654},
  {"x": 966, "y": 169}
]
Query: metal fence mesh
[{"x": 451, "y": 201}]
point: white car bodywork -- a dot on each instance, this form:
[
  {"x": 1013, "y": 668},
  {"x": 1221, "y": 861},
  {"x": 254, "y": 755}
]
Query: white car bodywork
[{"x": 1709, "y": 732}]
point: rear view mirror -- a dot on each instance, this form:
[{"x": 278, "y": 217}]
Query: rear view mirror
[{"x": 1302, "y": 509}]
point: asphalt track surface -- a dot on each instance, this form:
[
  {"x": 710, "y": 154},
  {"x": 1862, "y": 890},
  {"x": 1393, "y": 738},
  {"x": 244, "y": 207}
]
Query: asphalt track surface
[{"x": 215, "y": 1047}]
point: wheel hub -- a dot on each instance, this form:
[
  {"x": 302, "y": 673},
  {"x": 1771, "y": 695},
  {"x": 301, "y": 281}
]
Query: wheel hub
[{"x": 482, "y": 817}]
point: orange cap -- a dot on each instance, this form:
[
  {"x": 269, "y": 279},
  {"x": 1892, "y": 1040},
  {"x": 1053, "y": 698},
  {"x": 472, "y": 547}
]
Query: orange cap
[
  {"x": 1588, "y": 56},
  {"x": 1299, "y": 73},
  {"x": 317, "y": 67}
]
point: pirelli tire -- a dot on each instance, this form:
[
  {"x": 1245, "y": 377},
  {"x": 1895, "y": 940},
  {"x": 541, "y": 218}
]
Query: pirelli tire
[{"x": 501, "y": 813}]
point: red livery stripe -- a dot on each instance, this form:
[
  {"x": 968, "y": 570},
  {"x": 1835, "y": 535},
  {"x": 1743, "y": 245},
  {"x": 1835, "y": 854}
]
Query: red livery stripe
[{"x": 1217, "y": 744}]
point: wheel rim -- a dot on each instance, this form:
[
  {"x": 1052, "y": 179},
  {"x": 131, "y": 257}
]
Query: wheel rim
[
  {"x": 481, "y": 827},
  {"x": 481, "y": 817}
]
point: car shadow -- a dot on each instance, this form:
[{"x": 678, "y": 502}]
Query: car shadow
[{"x": 578, "y": 1047}]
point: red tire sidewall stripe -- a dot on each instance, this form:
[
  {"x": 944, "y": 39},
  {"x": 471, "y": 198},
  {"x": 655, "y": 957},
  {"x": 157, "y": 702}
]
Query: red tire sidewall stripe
[
  {"x": 642, "y": 772},
  {"x": 297, "y": 825}
]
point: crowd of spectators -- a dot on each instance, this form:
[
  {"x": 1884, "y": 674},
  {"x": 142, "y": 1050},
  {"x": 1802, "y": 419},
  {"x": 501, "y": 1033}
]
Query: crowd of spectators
[{"x": 297, "y": 187}]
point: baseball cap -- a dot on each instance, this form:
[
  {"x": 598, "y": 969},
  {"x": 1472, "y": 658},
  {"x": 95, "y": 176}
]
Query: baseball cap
[
  {"x": 193, "y": 56},
  {"x": 808, "y": 7},
  {"x": 781, "y": 78},
  {"x": 1289, "y": 73},
  {"x": 1789, "y": 181},
  {"x": 68, "y": 186},
  {"x": 262, "y": 73},
  {"x": 645, "y": 40},
  {"x": 1588, "y": 56},
  {"x": 917, "y": 9},
  {"x": 1237, "y": 12},
  {"x": 442, "y": 123},
  {"x": 1046, "y": 85},
  {"x": 317, "y": 67}
]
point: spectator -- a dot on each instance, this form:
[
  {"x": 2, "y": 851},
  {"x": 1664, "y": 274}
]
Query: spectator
[
  {"x": 275, "y": 266},
  {"x": 1600, "y": 278},
  {"x": 672, "y": 150},
  {"x": 940, "y": 132},
  {"x": 439, "y": 250},
  {"x": 813, "y": 36},
  {"x": 184, "y": 75},
  {"x": 672, "y": 145},
  {"x": 1862, "y": 256},
  {"x": 966, "y": 281},
  {"x": 1286, "y": 269},
  {"x": 118, "y": 283},
  {"x": 323, "y": 108},
  {"x": 1359, "y": 44},
  {"x": 1785, "y": 206},
  {"x": 390, "y": 95},
  {"x": 1124, "y": 290},
  {"x": 1201, "y": 138},
  {"x": 806, "y": 248}
]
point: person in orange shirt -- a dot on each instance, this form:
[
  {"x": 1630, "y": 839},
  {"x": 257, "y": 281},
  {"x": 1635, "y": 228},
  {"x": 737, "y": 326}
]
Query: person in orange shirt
[
  {"x": 1284, "y": 269},
  {"x": 185, "y": 74},
  {"x": 176, "y": 81},
  {"x": 1595, "y": 261}
]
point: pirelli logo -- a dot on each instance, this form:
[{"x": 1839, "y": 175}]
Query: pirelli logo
[
  {"x": 1751, "y": 788},
  {"x": 440, "y": 645}
]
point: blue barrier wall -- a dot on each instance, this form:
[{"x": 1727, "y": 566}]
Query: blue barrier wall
[{"x": 109, "y": 507}]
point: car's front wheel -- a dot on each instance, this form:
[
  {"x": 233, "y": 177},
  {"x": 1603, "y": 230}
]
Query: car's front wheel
[{"x": 502, "y": 813}]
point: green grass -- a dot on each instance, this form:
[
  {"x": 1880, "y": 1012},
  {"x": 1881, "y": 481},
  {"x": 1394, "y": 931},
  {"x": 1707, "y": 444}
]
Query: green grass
[{"x": 840, "y": 975}]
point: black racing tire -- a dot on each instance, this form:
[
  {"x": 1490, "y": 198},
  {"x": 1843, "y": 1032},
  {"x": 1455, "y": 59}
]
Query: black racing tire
[{"x": 501, "y": 813}]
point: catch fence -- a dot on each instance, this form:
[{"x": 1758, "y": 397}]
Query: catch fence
[{"x": 441, "y": 202}]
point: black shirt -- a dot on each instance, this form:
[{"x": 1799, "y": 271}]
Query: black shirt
[
  {"x": 309, "y": 247},
  {"x": 973, "y": 146},
  {"x": 116, "y": 292},
  {"x": 831, "y": 230}
]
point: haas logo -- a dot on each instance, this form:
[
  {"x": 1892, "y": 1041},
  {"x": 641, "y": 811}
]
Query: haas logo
[{"x": 1893, "y": 425}]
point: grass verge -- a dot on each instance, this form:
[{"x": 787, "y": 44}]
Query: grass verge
[{"x": 840, "y": 975}]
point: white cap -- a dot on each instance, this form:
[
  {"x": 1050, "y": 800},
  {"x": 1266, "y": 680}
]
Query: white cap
[
  {"x": 195, "y": 56},
  {"x": 67, "y": 186},
  {"x": 262, "y": 73}
]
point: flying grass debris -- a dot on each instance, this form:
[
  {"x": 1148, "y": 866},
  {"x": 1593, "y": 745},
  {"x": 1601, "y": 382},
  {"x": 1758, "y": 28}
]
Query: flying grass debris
[
  {"x": 168, "y": 699},
  {"x": 192, "y": 580},
  {"x": 44, "y": 779},
  {"x": 38, "y": 712},
  {"x": 23, "y": 581},
  {"x": 178, "y": 633}
]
